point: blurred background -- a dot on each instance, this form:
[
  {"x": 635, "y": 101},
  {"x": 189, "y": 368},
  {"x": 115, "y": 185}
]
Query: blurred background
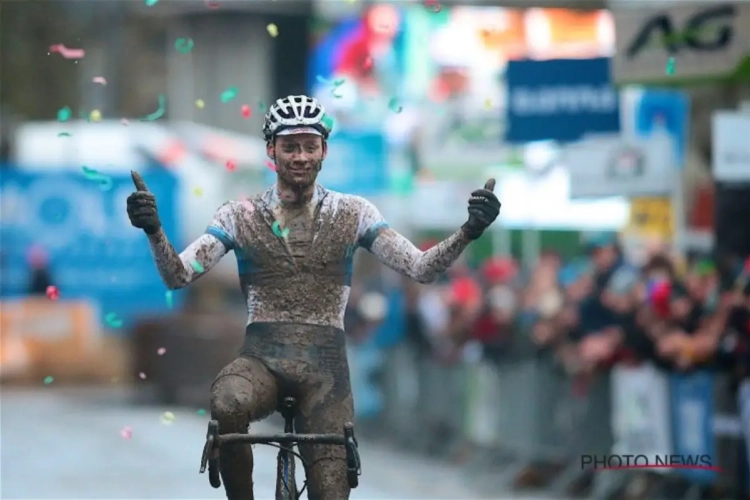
[{"x": 606, "y": 311}]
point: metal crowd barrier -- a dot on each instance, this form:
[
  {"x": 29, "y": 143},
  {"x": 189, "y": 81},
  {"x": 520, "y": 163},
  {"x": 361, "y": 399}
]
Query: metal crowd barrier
[{"x": 523, "y": 409}]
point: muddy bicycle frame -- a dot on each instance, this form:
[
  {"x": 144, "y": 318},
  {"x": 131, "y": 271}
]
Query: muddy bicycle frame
[{"x": 286, "y": 488}]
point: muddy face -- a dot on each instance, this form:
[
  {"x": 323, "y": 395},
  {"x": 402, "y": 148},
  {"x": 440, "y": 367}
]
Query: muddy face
[{"x": 298, "y": 159}]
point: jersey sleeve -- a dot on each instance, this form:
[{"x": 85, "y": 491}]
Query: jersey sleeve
[
  {"x": 371, "y": 224},
  {"x": 223, "y": 225}
]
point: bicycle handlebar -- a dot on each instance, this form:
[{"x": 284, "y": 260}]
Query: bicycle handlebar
[{"x": 282, "y": 438}]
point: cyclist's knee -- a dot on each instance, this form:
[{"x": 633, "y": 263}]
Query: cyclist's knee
[{"x": 230, "y": 402}]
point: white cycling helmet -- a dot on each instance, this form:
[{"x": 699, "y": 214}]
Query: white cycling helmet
[{"x": 296, "y": 114}]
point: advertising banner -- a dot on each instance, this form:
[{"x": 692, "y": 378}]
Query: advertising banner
[
  {"x": 731, "y": 146},
  {"x": 93, "y": 252},
  {"x": 692, "y": 421},
  {"x": 681, "y": 41},
  {"x": 616, "y": 166},
  {"x": 560, "y": 100}
]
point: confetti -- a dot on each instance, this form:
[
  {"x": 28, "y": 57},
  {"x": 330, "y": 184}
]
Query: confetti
[
  {"x": 212, "y": 4},
  {"x": 246, "y": 111},
  {"x": 159, "y": 112},
  {"x": 99, "y": 79},
  {"x": 105, "y": 181},
  {"x": 66, "y": 52},
  {"x": 142, "y": 376},
  {"x": 197, "y": 191},
  {"x": 168, "y": 297},
  {"x": 160, "y": 351},
  {"x": 281, "y": 233},
  {"x": 273, "y": 30},
  {"x": 270, "y": 165},
  {"x": 231, "y": 165},
  {"x": 394, "y": 106},
  {"x": 95, "y": 115},
  {"x": 112, "y": 320},
  {"x": 201, "y": 412},
  {"x": 336, "y": 85},
  {"x": 262, "y": 106},
  {"x": 183, "y": 45},
  {"x": 197, "y": 266},
  {"x": 53, "y": 293},
  {"x": 670, "y": 66},
  {"x": 124, "y": 122},
  {"x": 488, "y": 104},
  {"x": 126, "y": 432},
  {"x": 229, "y": 94},
  {"x": 199, "y": 103},
  {"x": 167, "y": 418},
  {"x": 151, "y": 3},
  {"x": 433, "y": 5},
  {"x": 64, "y": 114},
  {"x": 48, "y": 380},
  {"x": 64, "y": 134}
]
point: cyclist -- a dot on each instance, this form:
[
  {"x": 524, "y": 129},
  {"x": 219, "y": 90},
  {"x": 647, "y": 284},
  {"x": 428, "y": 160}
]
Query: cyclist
[{"x": 294, "y": 245}]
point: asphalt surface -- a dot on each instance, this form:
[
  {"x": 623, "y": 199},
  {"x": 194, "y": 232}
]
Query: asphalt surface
[{"x": 60, "y": 443}]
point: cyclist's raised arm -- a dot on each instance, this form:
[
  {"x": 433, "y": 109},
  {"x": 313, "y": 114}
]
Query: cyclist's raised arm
[
  {"x": 179, "y": 270},
  {"x": 398, "y": 253}
]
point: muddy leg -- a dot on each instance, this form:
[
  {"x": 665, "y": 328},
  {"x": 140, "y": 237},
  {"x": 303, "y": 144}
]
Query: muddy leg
[
  {"x": 244, "y": 391},
  {"x": 327, "y": 404}
]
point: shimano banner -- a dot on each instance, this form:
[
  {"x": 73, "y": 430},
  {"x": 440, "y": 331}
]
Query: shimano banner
[
  {"x": 83, "y": 228},
  {"x": 560, "y": 100}
]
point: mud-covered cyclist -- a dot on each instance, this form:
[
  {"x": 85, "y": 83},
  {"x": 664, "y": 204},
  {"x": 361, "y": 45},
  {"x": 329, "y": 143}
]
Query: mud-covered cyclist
[{"x": 296, "y": 284}]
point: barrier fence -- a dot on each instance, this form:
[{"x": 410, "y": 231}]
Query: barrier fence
[{"x": 524, "y": 409}]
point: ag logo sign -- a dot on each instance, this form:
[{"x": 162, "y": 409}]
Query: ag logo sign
[{"x": 702, "y": 40}]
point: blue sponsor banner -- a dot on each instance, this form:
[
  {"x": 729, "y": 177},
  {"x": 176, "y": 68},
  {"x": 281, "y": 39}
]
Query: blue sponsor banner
[
  {"x": 692, "y": 424},
  {"x": 666, "y": 110},
  {"x": 560, "y": 99},
  {"x": 93, "y": 252},
  {"x": 357, "y": 163}
]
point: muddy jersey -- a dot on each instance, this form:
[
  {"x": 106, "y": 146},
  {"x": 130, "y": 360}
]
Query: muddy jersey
[{"x": 295, "y": 264}]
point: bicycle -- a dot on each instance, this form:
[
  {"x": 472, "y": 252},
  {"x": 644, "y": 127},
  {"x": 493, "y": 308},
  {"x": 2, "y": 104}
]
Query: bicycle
[{"x": 286, "y": 487}]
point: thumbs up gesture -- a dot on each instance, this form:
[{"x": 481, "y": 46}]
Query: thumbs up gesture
[
  {"x": 484, "y": 208},
  {"x": 142, "y": 206}
]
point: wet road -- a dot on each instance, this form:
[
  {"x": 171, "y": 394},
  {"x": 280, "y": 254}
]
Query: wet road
[{"x": 58, "y": 443}]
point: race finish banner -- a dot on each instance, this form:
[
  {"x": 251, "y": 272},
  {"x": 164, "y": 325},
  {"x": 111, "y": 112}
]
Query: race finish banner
[
  {"x": 560, "y": 100},
  {"x": 616, "y": 166},
  {"x": 682, "y": 41}
]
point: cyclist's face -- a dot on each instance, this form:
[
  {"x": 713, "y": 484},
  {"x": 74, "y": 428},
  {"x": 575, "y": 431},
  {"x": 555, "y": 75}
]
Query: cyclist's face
[{"x": 298, "y": 157}]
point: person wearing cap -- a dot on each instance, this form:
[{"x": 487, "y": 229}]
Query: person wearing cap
[{"x": 294, "y": 245}]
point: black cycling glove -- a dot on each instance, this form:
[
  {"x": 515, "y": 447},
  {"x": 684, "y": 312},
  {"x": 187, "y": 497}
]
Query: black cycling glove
[
  {"x": 484, "y": 208},
  {"x": 142, "y": 207}
]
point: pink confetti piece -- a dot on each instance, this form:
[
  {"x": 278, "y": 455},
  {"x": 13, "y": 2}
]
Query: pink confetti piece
[
  {"x": 53, "y": 293},
  {"x": 66, "y": 52},
  {"x": 246, "y": 203},
  {"x": 231, "y": 165},
  {"x": 246, "y": 111},
  {"x": 125, "y": 122},
  {"x": 161, "y": 351},
  {"x": 142, "y": 375},
  {"x": 99, "y": 79},
  {"x": 270, "y": 165},
  {"x": 126, "y": 432}
]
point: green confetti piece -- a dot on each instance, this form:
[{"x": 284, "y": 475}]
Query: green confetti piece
[
  {"x": 281, "y": 233},
  {"x": 159, "y": 112},
  {"x": 151, "y": 3},
  {"x": 262, "y": 106},
  {"x": 64, "y": 114},
  {"x": 105, "y": 181},
  {"x": 64, "y": 134},
  {"x": 229, "y": 94},
  {"x": 48, "y": 380},
  {"x": 201, "y": 412},
  {"x": 394, "y": 106},
  {"x": 197, "y": 266},
  {"x": 168, "y": 297},
  {"x": 183, "y": 45},
  {"x": 670, "y": 66},
  {"x": 112, "y": 320}
]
